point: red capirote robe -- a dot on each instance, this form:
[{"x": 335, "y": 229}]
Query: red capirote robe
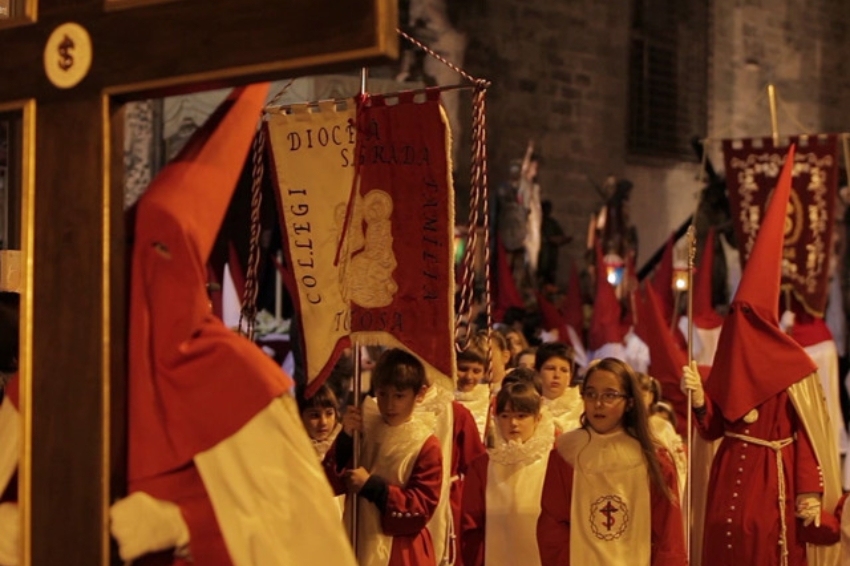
[
  {"x": 742, "y": 521},
  {"x": 553, "y": 527},
  {"x": 192, "y": 382}
]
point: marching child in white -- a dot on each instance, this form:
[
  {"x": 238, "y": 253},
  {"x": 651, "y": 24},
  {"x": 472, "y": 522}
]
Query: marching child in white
[
  {"x": 471, "y": 393},
  {"x": 501, "y": 500},
  {"x": 554, "y": 362},
  {"x": 320, "y": 415},
  {"x": 400, "y": 472},
  {"x": 610, "y": 497}
]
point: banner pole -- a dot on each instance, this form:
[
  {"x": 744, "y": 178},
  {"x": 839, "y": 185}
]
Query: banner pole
[
  {"x": 774, "y": 118},
  {"x": 355, "y": 461},
  {"x": 358, "y": 393},
  {"x": 689, "y": 476}
]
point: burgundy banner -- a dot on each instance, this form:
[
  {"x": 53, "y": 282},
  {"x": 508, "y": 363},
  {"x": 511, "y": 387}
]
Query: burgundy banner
[
  {"x": 752, "y": 170},
  {"x": 400, "y": 272}
]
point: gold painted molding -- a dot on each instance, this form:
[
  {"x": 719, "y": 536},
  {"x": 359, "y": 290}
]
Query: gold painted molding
[{"x": 27, "y": 109}]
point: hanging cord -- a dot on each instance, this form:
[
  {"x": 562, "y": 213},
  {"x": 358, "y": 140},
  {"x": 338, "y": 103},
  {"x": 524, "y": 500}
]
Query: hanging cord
[
  {"x": 793, "y": 118},
  {"x": 249, "y": 297},
  {"x": 248, "y": 313}
]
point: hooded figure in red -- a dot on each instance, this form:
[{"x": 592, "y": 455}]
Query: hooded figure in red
[
  {"x": 774, "y": 470},
  {"x": 217, "y": 453}
]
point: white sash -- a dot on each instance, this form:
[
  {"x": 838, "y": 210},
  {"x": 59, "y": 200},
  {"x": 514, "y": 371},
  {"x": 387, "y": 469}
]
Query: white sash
[
  {"x": 566, "y": 410},
  {"x": 611, "y": 515},
  {"x": 438, "y": 402},
  {"x": 515, "y": 477}
]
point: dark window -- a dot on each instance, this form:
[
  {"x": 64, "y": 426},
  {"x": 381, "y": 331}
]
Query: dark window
[{"x": 668, "y": 68}]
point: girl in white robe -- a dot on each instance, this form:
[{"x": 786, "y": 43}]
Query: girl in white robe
[
  {"x": 501, "y": 498},
  {"x": 320, "y": 415}
]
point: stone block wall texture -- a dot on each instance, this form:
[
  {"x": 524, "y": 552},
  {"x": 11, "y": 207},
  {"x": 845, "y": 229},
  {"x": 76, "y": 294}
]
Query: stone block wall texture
[{"x": 559, "y": 70}]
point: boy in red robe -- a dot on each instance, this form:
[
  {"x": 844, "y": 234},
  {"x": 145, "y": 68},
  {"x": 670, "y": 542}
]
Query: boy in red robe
[{"x": 401, "y": 469}]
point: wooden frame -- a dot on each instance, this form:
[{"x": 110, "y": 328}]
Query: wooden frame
[{"x": 74, "y": 303}]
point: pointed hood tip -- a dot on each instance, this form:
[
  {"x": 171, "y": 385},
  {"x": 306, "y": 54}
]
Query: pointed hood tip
[
  {"x": 755, "y": 359},
  {"x": 762, "y": 275},
  {"x": 208, "y": 168}
]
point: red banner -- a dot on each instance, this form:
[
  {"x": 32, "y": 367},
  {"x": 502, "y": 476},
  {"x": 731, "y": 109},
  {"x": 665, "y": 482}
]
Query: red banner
[
  {"x": 399, "y": 277},
  {"x": 752, "y": 170}
]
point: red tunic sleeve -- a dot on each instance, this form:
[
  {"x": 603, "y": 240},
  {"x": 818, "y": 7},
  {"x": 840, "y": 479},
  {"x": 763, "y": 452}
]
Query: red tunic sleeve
[
  {"x": 409, "y": 507},
  {"x": 668, "y": 534},
  {"x": 709, "y": 420},
  {"x": 473, "y": 519},
  {"x": 337, "y": 461},
  {"x": 553, "y": 525}
]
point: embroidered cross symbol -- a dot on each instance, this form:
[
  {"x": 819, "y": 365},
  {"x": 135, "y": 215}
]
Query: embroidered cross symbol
[{"x": 609, "y": 511}]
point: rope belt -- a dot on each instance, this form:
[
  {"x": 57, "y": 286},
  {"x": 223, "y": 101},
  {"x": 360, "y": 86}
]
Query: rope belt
[{"x": 776, "y": 446}]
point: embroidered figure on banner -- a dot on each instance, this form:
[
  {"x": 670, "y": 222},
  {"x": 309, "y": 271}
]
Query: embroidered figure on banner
[
  {"x": 370, "y": 281},
  {"x": 609, "y": 517}
]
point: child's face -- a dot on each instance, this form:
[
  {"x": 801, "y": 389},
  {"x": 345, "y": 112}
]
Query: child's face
[
  {"x": 604, "y": 401},
  {"x": 515, "y": 344},
  {"x": 517, "y": 425},
  {"x": 319, "y": 422},
  {"x": 526, "y": 361},
  {"x": 555, "y": 374},
  {"x": 469, "y": 374},
  {"x": 396, "y": 405}
]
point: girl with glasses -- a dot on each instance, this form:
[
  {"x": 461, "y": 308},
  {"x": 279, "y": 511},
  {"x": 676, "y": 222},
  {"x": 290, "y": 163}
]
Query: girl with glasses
[{"x": 610, "y": 496}]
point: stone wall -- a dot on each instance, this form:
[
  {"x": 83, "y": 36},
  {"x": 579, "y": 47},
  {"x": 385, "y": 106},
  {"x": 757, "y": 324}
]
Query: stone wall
[{"x": 560, "y": 77}]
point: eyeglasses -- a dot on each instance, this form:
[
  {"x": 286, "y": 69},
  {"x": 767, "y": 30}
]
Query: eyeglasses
[{"x": 607, "y": 398}]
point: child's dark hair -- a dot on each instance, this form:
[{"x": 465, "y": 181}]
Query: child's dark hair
[
  {"x": 635, "y": 418},
  {"x": 551, "y": 350},
  {"x": 522, "y": 397},
  {"x": 324, "y": 398},
  {"x": 651, "y": 385},
  {"x": 399, "y": 369},
  {"x": 524, "y": 375},
  {"x": 472, "y": 353}
]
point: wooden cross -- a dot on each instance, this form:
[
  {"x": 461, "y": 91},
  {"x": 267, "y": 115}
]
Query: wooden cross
[{"x": 74, "y": 310}]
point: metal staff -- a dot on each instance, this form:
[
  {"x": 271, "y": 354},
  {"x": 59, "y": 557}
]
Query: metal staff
[
  {"x": 355, "y": 461},
  {"x": 358, "y": 387},
  {"x": 692, "y": 248}
]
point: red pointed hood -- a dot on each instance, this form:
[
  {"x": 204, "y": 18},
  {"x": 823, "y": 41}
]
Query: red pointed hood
[
  {"x": 755, "y": 360},
  {"x": 573, "y": 313},
  {"x": 552, "y": 319},
  {"x": 666, "y": 357},
  {"x": 507, "y": 295},
  {"x": 605, "y": 326},
  {"x": 192, "y": 382},
  {"x": 704, "y": 314},
  {"x": 662, "y": 280}
]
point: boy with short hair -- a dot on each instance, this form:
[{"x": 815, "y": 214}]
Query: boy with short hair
[
  {"x": 554, "y": 362},
  {"x": 471, "y": 392},
  {"x": 401, "y": 466}
]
